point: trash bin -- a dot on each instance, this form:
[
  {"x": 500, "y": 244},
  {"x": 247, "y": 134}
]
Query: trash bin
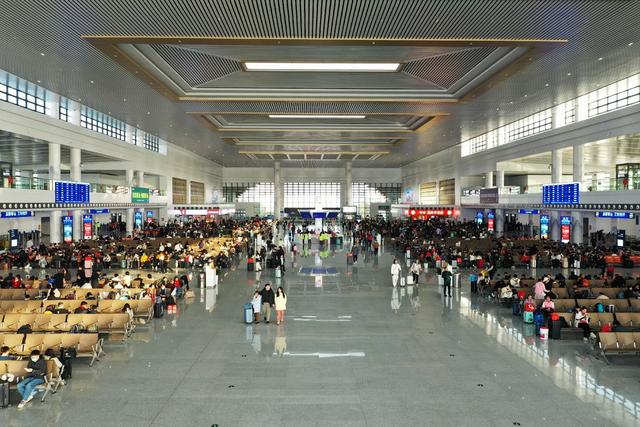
[
  {"x": 556, "y": 327},
  {"x": 544, "y": 333}
]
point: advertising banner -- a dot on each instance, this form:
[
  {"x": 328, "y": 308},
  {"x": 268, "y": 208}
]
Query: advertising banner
[
  {"x": 544, "y": 227},
  {"x": 565, "y": 229},
  {"x": 139, "y": 195},
  {"x": 87, "y": 226},
  {"x": 137, "y": 219},
  {"x": 491, "y": 218}
]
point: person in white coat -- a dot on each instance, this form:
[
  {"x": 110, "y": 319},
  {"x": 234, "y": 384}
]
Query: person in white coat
[
  {"x": 415, "y": 271},
  {"x": 396, "y": 270},
  {"x": 281, "y": 305}
]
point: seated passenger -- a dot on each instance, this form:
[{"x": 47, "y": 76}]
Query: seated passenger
[
  {"x": 4, "y": 353},
  {"x": 82, "y": 309},
  {"x": 582, "y": 321},
  {"x": 35, "y": 372},
  {"x": 60, "y": 309},
  {"x": 548, "y": 305}
]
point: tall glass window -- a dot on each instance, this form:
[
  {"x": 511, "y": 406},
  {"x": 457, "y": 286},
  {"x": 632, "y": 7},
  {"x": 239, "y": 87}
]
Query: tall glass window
[
  {"x": 22, "y": 93},
  {"x": 251, "y": 192},
  {"x": 102, "y": 123},
  {"x": 63, "y": 110},
  {"x": 363, "y": 194},
  {"x": 311, "y": 194},
  {"x": 151, "y": 142}
]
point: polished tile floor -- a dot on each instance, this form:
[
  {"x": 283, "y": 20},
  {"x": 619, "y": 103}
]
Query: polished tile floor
[{"x": 352, "y": 352}]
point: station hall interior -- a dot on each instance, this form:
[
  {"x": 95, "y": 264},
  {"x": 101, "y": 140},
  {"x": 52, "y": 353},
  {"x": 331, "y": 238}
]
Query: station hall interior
[{"x": 403, "y": 174}]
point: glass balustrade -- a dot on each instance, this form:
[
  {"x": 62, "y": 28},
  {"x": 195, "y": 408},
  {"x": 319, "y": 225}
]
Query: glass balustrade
[{"x": 33, "y": 183}]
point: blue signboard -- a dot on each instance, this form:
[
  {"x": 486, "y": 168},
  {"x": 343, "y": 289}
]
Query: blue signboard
[
  {"x": 71, "y": 192},
  {"x": 16, "y": 214},
  {"x": 529, "y": 212},
  {"x": 544, "y": 226},
  {"x": 565, "y": 220},
  {"x": 619, "y": 215},
  {"x": 561, "y": 194},
  {"x": 67, "y": 228},
  {"x": 491, "y": 215},
  {"x": 137, "y": 219},
  {"x": 149, "y": 214},
  {"x": 98, "y": 211}
]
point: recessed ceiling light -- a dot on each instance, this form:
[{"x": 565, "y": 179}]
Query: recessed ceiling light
[
  {"x": 41, "y": 53},
  {"x": 568, "y": 74},
  {"x": 630, "y": 44},
  {"x": 600, "y": 59},
  {"x": 546, "y": 84},
  {"x": 125, "y": 99},
  {"x": 315, "y": 116},
  {"x": 323, "y": 66},
  {"x": 91, "y": 81},
  {"x": 148, "y": 113},
  {"x": 39, "y": 81}
]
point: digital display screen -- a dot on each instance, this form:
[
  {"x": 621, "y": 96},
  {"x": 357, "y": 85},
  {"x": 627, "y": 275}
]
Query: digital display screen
[
  {"x": 16, "y": 214},
  {"x": 67, "y": 228},
  {"x": 71, "y": 192},
  {"x": 556, "y": 194},
  {"x": 544, "y": 227},
  {"x": 491, "y": 221},
  {"x": 620, "y": 237},
  {"x": 565, "y": 229},
  {"x": 619, "y": 215},
  {"x": 137, "y": 219},
  {"x": 87, "y": 226},
  {"x": 479, "y": 218}
]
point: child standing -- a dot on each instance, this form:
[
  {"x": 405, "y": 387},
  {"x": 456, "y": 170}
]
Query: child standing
[{"x": 256, "y": 303}]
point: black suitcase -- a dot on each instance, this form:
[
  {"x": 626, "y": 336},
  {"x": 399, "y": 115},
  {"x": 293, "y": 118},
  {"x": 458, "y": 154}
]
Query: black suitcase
[
  {"x": 250, "y": 266},
  {"x": 4, "y": 395}
]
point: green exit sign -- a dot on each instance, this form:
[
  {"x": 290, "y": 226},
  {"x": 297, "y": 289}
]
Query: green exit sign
[{"x": 139, "y": 195}]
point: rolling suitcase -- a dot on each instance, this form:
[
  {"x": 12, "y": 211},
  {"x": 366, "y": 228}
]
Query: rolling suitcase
[
  {"x": 4, "y": 395},
  {"x": 248, "y": 313},
  {"x": 528, "y": 317}
]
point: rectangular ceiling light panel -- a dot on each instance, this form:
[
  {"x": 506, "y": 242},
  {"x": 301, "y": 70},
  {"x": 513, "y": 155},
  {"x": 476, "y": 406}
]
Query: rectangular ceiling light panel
[
  {"x": 360, "y": 67},
  {"x": 315, "y": 116}
]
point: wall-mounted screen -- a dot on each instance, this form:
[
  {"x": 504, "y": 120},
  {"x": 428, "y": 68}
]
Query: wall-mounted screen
[
  {"x": 561, "y": 194},
  {"x": 72, "y": 192}
]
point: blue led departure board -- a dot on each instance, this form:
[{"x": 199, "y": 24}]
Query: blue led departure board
[
  {"x": 561, "y": 194},
  {"x": 72, "y": 192}
]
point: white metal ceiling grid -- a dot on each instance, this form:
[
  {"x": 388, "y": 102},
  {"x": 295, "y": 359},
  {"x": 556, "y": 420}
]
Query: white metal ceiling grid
[
  {"x": 594, "y": 28},
  {"x": 196, "y": 67},
  {"x": 445, "y": 70}
]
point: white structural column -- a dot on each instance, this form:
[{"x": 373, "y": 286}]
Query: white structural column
[
  {"x": 348, "y": 184},
  {"x": 499, "y": 223},
  {"x": 499, "y": 179},
  {"x": 53, "y": 106},
  {"x": 188, "y": 191},
  {"x": 129, "y": 214},
  {"x": 55, "y": 224},
  {"x": 277, "y": 193},
  {"x": 74, "y": 113},
  {"x": 140, "y": 183},
  {"x": 556, "y": 177},
  {"x": 76, "y": 175},
  {"x": 488, "y": 179},
  {"x": 577, "y": 216}
]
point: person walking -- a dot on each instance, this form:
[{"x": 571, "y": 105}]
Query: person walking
[
  {"x": 415, "y": 271},
  {"x": 268, "y": 301},
  {"x": 281, "y": 305},
  {"x": 256, "y": 304},
  {"x": 395, "y": 272}
]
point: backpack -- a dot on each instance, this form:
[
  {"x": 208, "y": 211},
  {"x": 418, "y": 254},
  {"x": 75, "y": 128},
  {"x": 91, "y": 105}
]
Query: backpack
[
  {"x": 599, "y": 308},
  {"x": 76, "y": 329}
]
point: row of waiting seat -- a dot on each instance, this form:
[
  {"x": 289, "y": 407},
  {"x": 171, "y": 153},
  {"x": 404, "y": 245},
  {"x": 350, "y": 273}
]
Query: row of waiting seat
[
  {"x": 619, "y": 305},
  {"x": 612, "y": 293},
  {"x": 102, "y": 323},
  {"x": 86, "y": 344},
  {"x": 597, "y": 320},
  {"x": 141, "y": 308},
  {"x": 52, "y": 379},
  {"x": 593, "y": 283},
  {"x": 79, "y": 293},
  {"x": 619, "y": 343}
]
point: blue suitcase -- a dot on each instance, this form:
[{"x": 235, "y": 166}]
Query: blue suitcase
[
  {"x": 248, "y": 313},
  {"x": 527, "y": 317}
]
